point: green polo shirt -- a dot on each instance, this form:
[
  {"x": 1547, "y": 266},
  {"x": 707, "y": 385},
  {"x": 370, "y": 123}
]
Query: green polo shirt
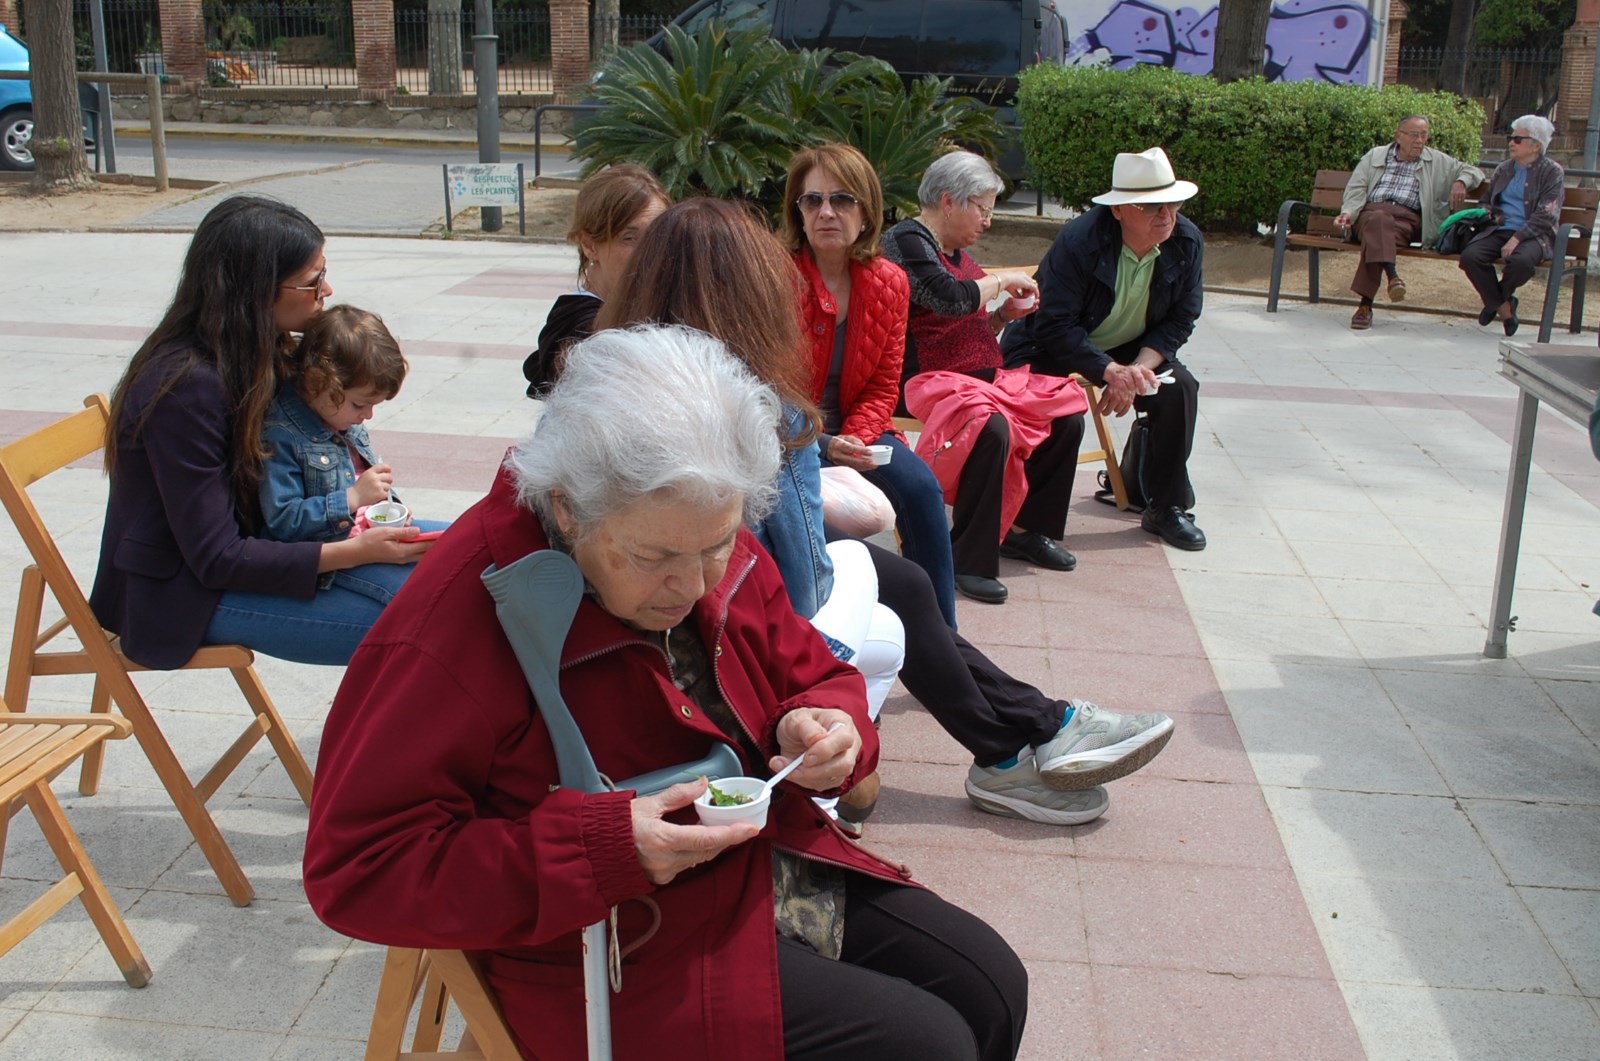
[{"x": 1126, "y": 319}]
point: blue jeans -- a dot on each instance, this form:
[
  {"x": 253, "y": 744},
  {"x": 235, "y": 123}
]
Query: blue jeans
[
  {"x": 919, "y": 517},
  {"x": 324, "y": 630}
]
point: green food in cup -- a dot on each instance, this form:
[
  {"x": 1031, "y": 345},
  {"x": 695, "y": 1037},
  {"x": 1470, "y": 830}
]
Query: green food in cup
[{"x": 720, "y": 798}]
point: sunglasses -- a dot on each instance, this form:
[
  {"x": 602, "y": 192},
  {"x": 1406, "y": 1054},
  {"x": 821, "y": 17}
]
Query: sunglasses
[
  {"x": 1519, "y": 139},
  {"x": 314, "y": 285},
  {"x": 1152, "y": 209},
  {"x": 811, "y": 202}
]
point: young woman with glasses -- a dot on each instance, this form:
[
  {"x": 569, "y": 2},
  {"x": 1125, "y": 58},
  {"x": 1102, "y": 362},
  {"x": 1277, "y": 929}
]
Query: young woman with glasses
[{"x": 181, "y": 564}]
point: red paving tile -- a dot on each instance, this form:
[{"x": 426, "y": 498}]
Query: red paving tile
[
  {"x": 1160, "y": 1013},
  {"x": 1177, "y": 822},
  {"x": 1204, "y": 747},
  {"x": 505, "y": 282},
  {"x": 1061, "y": 1013}
]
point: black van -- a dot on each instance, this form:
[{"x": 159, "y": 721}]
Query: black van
[{"x": 979, "y": 44}]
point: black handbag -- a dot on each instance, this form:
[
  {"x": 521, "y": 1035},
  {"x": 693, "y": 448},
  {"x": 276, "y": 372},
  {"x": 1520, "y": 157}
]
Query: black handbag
[
  {"x": 1454, "y": 236},
  {"x": 1133, "y": 470}
]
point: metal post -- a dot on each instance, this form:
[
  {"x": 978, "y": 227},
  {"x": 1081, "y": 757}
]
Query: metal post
[
  {"x": 1505, "y": 572},
  {"x": 104, "y": 127},
  {"x": 486, "y": 78},
  {"x": 158, "y": 131}
]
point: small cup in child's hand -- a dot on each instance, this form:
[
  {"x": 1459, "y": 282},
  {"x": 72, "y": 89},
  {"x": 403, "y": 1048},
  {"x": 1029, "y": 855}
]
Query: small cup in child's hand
[
  {"x": 387, "y": 514},
  {"x": 1021, "y": 302}
]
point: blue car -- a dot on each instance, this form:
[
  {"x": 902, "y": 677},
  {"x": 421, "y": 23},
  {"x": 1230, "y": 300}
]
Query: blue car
[{"x": 16, "y": 107}]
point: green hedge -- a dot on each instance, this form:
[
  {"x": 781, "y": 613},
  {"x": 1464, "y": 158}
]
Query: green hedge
[{"x": 1249, "y": 145}]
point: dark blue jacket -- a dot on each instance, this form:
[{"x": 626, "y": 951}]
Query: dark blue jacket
[
  {"x": 1077, "y": 287},
  {"x": 172, "y": 543}
]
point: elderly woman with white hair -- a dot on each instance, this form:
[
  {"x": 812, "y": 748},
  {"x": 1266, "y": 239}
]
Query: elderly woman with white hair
[
  {"x": 1524, "y": 202},
  {"x": 1007, "y": 474},
  {"x": 439, "y": 821}
]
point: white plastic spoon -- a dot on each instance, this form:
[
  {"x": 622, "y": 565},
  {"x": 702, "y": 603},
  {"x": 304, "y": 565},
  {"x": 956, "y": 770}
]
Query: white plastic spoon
[{"x": 793, "y": 765}]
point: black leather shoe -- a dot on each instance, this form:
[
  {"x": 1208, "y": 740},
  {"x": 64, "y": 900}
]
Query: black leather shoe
[
  {"x": 1489, "y": 313},
  {"x": 1037, "y": 549},
  {"x": 1511, "y": 322},
  {"x": 1174, "y": 527},
  {"x": 983, "y": 590}
]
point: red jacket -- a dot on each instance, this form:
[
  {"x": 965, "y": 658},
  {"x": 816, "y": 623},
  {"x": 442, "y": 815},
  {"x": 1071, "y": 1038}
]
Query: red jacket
[
  {"x": 874, "y": 341},
  {"x": 437, "y": 822}
]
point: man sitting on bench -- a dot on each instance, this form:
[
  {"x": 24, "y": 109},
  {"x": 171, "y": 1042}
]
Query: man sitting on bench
[{"x": 1397, "y": 194}]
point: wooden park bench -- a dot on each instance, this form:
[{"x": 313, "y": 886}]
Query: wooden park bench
[{"x": 1570, "y": 257}]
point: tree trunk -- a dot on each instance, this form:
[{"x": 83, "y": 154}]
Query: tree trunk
[
  {"x": 1241, "y": 49},
  {"x": 607, "y": 19},
  {"x": 57, "y": 145},
  {"x": 1457, "y": 42},
  {"x": 444, "y": 47}
]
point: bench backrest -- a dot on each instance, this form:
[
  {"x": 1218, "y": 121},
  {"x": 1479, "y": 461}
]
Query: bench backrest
[{"x": 1327, "y": 199}]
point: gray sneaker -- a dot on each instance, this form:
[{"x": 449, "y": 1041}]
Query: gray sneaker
[
  {"x": 1021, "y": 793},
  {"x": 1096, "y": 746}
]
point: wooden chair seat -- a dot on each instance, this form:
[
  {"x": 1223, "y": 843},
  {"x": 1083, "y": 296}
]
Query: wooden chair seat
[
  {"x": 23, "y": 463},
  {"x": 440, "y": 977},
  {"x": 34, "y": 749}
]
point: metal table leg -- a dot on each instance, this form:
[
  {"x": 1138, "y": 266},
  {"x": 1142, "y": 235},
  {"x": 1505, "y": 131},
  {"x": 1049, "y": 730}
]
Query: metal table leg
[{"x": 1505, "y": 572}]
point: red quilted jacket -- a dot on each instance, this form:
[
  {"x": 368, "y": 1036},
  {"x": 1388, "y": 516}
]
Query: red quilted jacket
[{"x": 874, "y": 342}]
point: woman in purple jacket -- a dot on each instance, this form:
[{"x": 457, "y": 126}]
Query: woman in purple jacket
[{"x": 180, "y": 565}]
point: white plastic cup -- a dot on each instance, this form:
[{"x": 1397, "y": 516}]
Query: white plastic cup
[
  {"x": 880, "y": 454},
  {"x": 388, "y": 514},
  {"x": 1019, "y": 303},
  {"x": 754, "y": 812}
]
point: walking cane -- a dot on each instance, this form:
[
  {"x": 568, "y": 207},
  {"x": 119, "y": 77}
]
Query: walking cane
[{"x": 535, "y": 599}]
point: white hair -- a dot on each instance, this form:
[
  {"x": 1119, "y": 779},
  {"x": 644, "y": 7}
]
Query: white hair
[
  {"x": 961, "y": 175},
  {"x": 1536, "y": 126},
  {"x": 655, "y": 410}
]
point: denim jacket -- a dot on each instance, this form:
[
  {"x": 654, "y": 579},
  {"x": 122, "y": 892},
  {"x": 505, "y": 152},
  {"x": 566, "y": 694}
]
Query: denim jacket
[
  {"x": 792, "y": 534},
  {"x": 306, "y": 474}
]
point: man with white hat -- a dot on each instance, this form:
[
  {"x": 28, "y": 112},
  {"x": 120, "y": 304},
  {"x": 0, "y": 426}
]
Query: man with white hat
[{"x": 1119, "y": 292}]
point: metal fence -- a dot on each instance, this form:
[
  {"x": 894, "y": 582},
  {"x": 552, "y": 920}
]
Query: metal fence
[
  {"x": 133, "y": 34},
  {"x": 1509, "y": 82}
]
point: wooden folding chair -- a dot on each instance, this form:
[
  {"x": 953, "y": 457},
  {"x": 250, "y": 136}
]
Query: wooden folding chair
[
  {"x": 441, "y": 977},
  {"x": 23, "y": 463},
  {"x": 32, "y": 749}
]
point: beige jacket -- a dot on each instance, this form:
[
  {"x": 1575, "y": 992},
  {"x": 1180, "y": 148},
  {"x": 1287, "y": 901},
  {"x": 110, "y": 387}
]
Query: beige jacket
[{"x": 1439, "y": 171}]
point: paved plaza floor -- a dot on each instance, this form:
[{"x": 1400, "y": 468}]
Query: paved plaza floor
[{"x": 1364, "y": 840}]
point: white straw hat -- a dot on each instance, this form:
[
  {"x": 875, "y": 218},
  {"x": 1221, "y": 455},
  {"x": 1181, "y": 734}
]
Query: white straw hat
[{"x": 1145, "y": 177}]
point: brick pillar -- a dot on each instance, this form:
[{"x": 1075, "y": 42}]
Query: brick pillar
[
  {"x": 1391, "y": 49},
  {"x": 569, "y": 47},
  {"x": 1577, "y": 71},
  {"x": 375, "y": 62},
  {"x": 8, "y": 16},
  {"x": 183, "y": 41}
]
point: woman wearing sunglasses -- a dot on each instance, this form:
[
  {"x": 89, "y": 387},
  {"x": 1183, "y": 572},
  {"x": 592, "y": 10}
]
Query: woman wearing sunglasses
[
  {"x": 1524, "y": 201},
  {"x": 1013, "y": 436},
  {"x": 854, "y": 307},
  {"x": 181, "y": 562}
]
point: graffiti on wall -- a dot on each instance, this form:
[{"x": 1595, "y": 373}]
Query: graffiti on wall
[{"x": 1307, "y": 40}]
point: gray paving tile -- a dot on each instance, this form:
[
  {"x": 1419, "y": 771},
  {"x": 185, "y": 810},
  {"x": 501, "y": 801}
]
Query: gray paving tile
[
  {"x": 40, "y": 961},
  {"x": 1380, "y": 600},
  {"x": 1579, "y": 701},
  {"x": 45, "y": 1036},
  {"x": 1545, "y": 845},
  {"x": 1440, "y": 934},
  {"x": 1400, "y": 1023},
  {"x": 1275, "y": 638},
  {"x": 268, "y": 838},
  {"x": 1570, "y": 918},
  {"x": 1377, "y": 836}
]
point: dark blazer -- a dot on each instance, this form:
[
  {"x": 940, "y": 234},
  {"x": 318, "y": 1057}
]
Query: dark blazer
[
  {"x": 172, "y": 542},
  {"x": 1077, "y": 287}
]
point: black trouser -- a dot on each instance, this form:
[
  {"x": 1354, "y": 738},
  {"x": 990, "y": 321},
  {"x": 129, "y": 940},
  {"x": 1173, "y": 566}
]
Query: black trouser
[
  {"x": 975, "y": 517},
  {"x": 988, "y": 711},
  {"x": 918, "y": 979},
  {"x": 1478, "y": 259},
  {"x": 1173, "y": 410}
]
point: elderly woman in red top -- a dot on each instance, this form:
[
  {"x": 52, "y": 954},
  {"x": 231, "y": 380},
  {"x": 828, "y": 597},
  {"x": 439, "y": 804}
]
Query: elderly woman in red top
[
  {"x": 951, "y": 330},
  {"x": 438, "y": 819},
  {"x": 855, "y": 316}
]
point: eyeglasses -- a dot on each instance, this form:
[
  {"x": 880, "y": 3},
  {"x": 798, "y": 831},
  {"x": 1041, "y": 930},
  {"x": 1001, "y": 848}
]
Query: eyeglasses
[
  {"x": 314, "y": 285},
  {"x": 1409, "y": 135},
  {"x": 1152, "y": 209},
  {"x": 811, "y": 202},
  {"x": 1519, "y": 139},
  {"x": 985, "y": 213}
]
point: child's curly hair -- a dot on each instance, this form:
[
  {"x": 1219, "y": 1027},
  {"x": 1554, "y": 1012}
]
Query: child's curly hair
[{"x": 346, "y": 347}]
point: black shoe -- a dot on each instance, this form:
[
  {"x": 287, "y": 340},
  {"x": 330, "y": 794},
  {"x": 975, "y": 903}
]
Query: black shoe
[
  {"x": 983, "y": 590},
  {"x": 1036, "y": 548},
  {"x": 1511, "y": 322},
  {"x": 1489, "y": 313},
  {"x": 1174, "y": 527}
]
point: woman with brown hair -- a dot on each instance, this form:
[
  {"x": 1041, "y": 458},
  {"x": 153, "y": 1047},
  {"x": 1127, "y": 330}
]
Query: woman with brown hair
[
  {"x": 612, "y": 210},
  {"x": 854, "y": 305}
]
